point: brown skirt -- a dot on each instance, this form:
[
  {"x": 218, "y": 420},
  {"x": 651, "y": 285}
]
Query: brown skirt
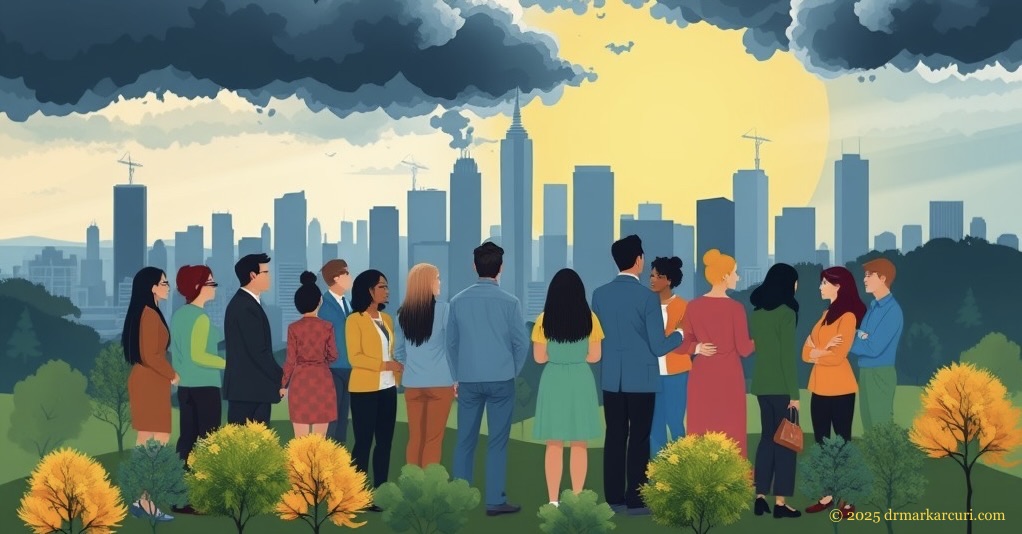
[{"x": 149, "y": 399}]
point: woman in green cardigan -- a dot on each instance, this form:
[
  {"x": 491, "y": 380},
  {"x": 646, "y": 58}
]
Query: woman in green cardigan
[
  {"x": 194, "y": 352},
  {"x": 775, "y": 383}
]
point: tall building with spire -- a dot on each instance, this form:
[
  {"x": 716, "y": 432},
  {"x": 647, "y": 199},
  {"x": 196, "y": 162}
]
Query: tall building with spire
[{"x": 516, "y": 207}]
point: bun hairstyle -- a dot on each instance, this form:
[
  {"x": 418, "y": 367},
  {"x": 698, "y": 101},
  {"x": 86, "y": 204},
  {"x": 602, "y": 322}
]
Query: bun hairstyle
[
  {"x": 717, "y": 265},
  {"x": 670, "y": 268},
  {"x": 308, "y": 296}
]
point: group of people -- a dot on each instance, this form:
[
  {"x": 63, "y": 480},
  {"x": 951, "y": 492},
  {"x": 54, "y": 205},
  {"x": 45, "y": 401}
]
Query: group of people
[{"x": 662, "y": 359}]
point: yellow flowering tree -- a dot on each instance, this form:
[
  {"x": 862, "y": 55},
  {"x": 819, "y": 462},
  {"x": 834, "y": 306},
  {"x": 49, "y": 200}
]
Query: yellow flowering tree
[
  {"x": 237, "y": 471},
  {"x": 966, "y": 415},
  {"x": 71, "y": 493},
  {"x": 324, "y": 484},
  {"x": 699, "y": 482}
]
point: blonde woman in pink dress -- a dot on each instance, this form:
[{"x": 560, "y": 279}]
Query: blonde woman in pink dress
[{"x": 717, "y": 336}]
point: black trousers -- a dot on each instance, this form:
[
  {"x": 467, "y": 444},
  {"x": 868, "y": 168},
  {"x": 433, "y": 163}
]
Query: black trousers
[
  {"x": 629, "y": 418},
  {"x": 836, "y": 412},
  {"x": 775, "y": 465},
  {"x": 338, "y": 430},
  {"x": 238, "y": 412},
  {"x": 373, "y": 416},
  {"x": 199, "y": 414}
]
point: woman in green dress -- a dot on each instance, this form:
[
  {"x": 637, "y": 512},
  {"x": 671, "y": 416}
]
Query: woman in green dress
[{"x": 566, "y": 339}]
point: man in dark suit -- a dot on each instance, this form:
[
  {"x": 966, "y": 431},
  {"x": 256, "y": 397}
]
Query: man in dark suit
[
  {"x": 252, "y": 376},
  {"x": 336, "y": 309},
  {"x": 632, "y": 322}
]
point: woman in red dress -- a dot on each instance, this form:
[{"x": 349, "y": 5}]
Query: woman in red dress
[
  {"x": 716, "y": 335},
  {"x": 310, "y": 351}
]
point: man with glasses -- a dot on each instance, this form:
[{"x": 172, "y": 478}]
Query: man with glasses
[{"x": 252, "y": 376}]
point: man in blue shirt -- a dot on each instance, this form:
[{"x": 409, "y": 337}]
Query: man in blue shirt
[
  {"x": 487, "y": 345},
  {"x": 336, "y": 309},
  {"x": 876, "y": 344}
]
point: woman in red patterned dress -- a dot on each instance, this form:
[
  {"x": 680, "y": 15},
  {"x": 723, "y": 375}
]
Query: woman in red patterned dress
[{"x": 310, "y": 351}]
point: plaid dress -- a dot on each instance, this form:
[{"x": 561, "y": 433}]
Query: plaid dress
[{"x": 312, "y": 398}]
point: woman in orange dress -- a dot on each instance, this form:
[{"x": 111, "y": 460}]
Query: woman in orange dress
[{"x": 145, "y": 340}]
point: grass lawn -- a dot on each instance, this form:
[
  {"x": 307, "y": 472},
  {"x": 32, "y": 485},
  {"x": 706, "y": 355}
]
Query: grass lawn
[{"x": 995, "y": 492}]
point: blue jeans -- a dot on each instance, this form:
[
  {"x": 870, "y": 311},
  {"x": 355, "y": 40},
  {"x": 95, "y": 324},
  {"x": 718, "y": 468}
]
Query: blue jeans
[
  {"x": 498, "y": 398},
  {"x": 669, "y": 411}
]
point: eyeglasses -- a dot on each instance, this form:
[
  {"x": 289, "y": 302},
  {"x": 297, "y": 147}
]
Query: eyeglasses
[
  {"x": 211, "y": 284},
  {"x": 164, "y": 284}
]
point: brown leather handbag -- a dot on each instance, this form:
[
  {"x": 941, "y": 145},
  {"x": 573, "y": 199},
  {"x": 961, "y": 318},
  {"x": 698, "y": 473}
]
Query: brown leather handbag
[{"x": 789, "y": 434}]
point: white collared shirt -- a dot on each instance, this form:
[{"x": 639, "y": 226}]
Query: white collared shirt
[
  {"x": 635, "y": 276},
  {"x": 256, "y": 297},
  {"x": 387, "y": 378},
  {"x": 340, "y": 301}
]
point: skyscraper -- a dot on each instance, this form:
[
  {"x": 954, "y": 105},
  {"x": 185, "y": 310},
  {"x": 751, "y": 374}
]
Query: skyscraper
[
  {"x": 494, "y": 234},
  {"x": 246, "y": 246},
  {"x": 290, "y": 256},
  {"x": 978, "y": 228},
  {"x": 911, "y": 237},
  {"x": 885, "y": 241},
  {"x": 427, "y": 220},
  {"x": 50, "y": 269},
  {"x": 947, "y": 219},
  {"x": 795, "y": 236},
  {"x": 593, "y": 225},
  {"x": 385, "y": 247},
  {"x": 650, "y": 212},
  {"x": 158, "y": 257},
  {"x": 314, "y": 248},
  {"x": 555, "y": 229},
  {"x": 516, "y": 207},
  {"x": 222, "y": 264},
  {"x": 823, "y": 255},
  {"x": 362, "y": 245},
  {"x": 851, "y": 208},
  {"x": 715, "y": 229},
  {"x": 188, "y": 250},
  {"x": 657, "y": 239},
  {"x": 1008, "y": 240},
  {"x": 130, "y": 208},
  {"x": 751, "y": 225},
  {"x": 265, "y": 234},
  {"x": 466, "y": 223},
  {"x": 347, "y": 233},
  {"x": 685, "y": 248},
  {"x": 92, "y": 269}
]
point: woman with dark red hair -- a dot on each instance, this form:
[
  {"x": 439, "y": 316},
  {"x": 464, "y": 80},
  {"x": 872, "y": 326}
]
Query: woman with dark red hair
[
  {"x": 832, "y": 382},
  {"x": 195, "y": 353}
]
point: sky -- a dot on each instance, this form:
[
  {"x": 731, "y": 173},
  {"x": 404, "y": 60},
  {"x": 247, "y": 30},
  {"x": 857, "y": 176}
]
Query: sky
[{"x": 230, "y": 105}]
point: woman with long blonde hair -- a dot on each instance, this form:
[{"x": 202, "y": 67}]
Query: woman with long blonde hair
[{"x": 428, "y": 378}]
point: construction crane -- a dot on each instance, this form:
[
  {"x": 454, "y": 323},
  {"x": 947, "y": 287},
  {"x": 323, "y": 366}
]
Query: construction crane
[
  {"x": 758, "y": 140},
  {"x": 415, "y": 169},
  {"x": 131, "y": 166}
]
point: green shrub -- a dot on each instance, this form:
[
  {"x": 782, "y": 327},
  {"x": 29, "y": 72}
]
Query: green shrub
[
  {"x": 838, "y": 469},
  {"x": 238, "y": 472},
  {"x": 897, "y": 468},
  {"x": 576, "y": 514},
  {"x": 50, "y": 408},
  {"x": 426, "y": 501},
  {"x": 699, "y": 482},
  {"x": 157, "y": 471}
]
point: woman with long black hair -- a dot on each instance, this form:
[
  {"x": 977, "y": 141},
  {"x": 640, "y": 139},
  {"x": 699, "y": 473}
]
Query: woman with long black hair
[
  {"x": 145, "y": 340},
  {"x": 775, "y": 383}
]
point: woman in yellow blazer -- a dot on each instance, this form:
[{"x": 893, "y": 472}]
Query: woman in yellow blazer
[
  {"x": 375, "y": 375},
  {"x": 832, "y": 382}
]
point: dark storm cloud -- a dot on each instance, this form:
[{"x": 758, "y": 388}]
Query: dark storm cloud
[
  {"x": 345, "y": 56},
  {"x": 453, "y": 123}
]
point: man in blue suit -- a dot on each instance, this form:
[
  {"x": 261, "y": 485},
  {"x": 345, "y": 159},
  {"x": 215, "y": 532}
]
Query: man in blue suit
[
  {"x": 633, "y": 325},
  {"x": 336, "y": 310}
]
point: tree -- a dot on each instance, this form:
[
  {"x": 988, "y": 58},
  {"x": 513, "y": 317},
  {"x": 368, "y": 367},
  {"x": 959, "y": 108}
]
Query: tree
[
  {"x": 239, "y": 472},
  {"x": 997, "y": 354},
  {"x": 158, "y": 472},
  {"x": 577, "y": 514},
  {"x": 426, "y": 501},
  {"x": 71, "y": 493},
  {"x": 897, "y": 469},
  {"x": 24, "y": 345},
  {"x": 36, "y": 296},
  {"x": 967, "y": 415},
  {"x": 923, "y": 354},
  {"x": 698, "y": 482},
  {"x": 49, "y": 408},
  {"x": 324, "y": 484},
  {"x": 968, "y": 314},
  {"x": 523, "y": 398},
  {"x": 838, "y": 469},
  {"x": 108, "y": 386}
]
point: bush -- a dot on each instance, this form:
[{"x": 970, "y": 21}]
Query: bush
[
  {"x": 237, "y": 471},
  {"x": 699, "y": 482},
  {"x": 576, "y": 514},
  {"x": 837, "y": 469},
  {"x": 324, "y": 484},
  {"x": 897, "y": 468},
  {"x": 71, "y": 493},
  {"x": 50, "y": 408},
  {"x": 426, "y": 501},
  {"x": 157, "y": 471}
]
